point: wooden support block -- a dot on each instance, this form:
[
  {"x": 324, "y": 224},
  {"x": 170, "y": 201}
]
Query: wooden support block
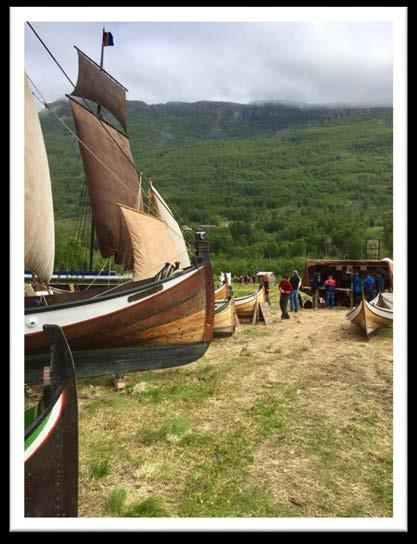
[
  {"x": 255, "y": 315},
  {"x": 265, "y": 311},
  {"x": 119, "y": 382},
  {"x": 237, "y": 322}
]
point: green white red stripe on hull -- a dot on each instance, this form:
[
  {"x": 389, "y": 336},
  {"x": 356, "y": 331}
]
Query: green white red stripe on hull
[{"x": 41, "y": 433}]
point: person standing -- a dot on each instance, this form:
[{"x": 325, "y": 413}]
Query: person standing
[
  {"x": 314, "y": 285},
  {"x": 356, "y": 287},
  {"x": 295, "y": 281},
  {"x": 380, "y": 283},
  {"x": 369, "y": 287},
  {"x": 330, "y": 287},
  {"x": 285, "y": 289},
  {"x": 265, "y": 285}
]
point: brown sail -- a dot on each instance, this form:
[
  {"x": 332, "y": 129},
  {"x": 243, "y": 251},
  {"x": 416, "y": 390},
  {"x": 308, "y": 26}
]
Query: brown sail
[
  {"x": 152, "y": 244},
  {"x": 111, "y": 177},
  {"x": 39, "y": 213},
  {"x": 97, "y": 85}
]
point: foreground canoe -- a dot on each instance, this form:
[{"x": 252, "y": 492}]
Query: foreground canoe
[
  {"x": 369, "y": 317},
  {"x": 245, "y": 306},
  {"x": 225, "y": 318},
  {"x": 51, "y": 438}
]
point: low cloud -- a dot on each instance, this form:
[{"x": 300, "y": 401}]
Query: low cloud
[{"x": 237, "y": 62}]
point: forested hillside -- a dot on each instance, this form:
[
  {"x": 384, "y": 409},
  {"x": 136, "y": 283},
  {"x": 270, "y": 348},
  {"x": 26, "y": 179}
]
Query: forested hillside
[{"x": 279, "y": 183}]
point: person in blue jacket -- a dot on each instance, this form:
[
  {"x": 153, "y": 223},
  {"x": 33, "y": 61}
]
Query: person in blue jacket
[
  {"x": 369, "y": 287},
  {"x": 356, "y": 287}
]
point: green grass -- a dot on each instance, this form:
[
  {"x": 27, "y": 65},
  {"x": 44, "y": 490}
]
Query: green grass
[
  {"x": 238, "y": 435},
  {"x": 150, "y": 506},
  {"x": 115, "y": 501},
  {"x": 99, "y": 468},
  {"x": 176, "y": 428}
]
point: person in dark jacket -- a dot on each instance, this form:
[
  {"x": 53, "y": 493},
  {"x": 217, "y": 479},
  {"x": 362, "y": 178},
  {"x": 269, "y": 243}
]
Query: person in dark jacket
[
  {"x": 295, "y": 281},
  {"x": 380, "y": 283},
  {"x": 315, "y": 284},
  {"x": 285, "y": 289}
]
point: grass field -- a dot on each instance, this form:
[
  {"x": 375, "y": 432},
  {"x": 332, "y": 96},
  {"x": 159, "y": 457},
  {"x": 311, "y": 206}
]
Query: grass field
[{"x": 289, "y": 420}]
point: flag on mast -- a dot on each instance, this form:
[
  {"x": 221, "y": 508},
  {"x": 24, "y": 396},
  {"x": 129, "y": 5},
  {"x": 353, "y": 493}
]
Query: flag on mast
[{"x": 107, "y": 39}]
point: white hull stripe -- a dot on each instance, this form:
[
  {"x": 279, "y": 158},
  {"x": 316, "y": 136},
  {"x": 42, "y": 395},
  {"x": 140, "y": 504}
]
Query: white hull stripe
[
  {"x": 47, "y": 429},
  {"x": 68, "y": 316}
]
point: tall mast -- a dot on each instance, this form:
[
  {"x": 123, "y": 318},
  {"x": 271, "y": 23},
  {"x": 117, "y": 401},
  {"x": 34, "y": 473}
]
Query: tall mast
[{"x": 98, "y": 113}]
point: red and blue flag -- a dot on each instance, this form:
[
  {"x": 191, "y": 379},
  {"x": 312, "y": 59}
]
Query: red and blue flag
[{"x": 107, "y": 39}]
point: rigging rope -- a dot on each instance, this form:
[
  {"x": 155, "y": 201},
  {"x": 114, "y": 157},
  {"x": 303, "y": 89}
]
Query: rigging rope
[
  {"x": 105, "y": 128},
  {"x": 89, "y": 108}
]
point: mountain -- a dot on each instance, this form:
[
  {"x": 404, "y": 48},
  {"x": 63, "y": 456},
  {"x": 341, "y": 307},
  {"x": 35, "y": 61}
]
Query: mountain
[
  {"x": 178, "y": 123},
  {"x": 280, "y": 182}
]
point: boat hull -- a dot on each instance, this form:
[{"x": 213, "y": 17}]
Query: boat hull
[
  {"x": 225, "y": 319},
  {"x": 245, "y": 305},
  {"x": 384, "y": 300},
  {"x": 100, "y": 362},
  {"x": 221, "y": 292},
  {"x": 51, "y": 441},
  {"x": 369, "y": 317},
  {"x": 167, "y": 324}
]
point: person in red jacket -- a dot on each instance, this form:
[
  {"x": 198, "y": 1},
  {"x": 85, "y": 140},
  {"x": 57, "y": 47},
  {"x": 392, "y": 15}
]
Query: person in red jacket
[
  {"x": 330, "y": 286},
  {"x": 285, "y": 289}
]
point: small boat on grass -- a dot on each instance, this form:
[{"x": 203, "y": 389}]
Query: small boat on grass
[
  {"x": 384, "y": 300},
  {"x": 51, "y": 437},
  {"x": 370, "y": 317},
  {"x": 225, "y": 318},
  {"x": 245, "y": 305}
]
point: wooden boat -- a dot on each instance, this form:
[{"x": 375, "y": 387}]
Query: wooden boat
[
  {"x": 370, "y": 317},
  {"x": 160, "y": 318},
  {"x": 225, "y": 318},
  {"x": 51, "y": 437},
  {"x": 245, "y": 305},
  {"x": 222, "y": 292},
  {"x": 384, "y": 300}
]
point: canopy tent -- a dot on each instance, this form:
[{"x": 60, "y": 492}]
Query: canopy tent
[{"x": 342, "y": 271}]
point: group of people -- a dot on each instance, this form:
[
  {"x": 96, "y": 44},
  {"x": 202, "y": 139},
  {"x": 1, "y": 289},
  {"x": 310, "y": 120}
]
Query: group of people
[
  {"x": 329, "y": 287},
  {"x": 370, "y": 286},
  {"x": 289, "y": 292},
  {"x": 246, "y": 278}
]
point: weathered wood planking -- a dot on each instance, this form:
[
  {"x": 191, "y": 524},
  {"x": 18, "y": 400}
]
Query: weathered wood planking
[{"x": 265, "y": 311}]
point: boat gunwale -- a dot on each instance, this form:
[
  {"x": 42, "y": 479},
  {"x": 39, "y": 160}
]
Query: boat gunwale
[
  {"x": 38, "y": 420},
  {"x": 246, "y": 298},
  {"x": 223, "y": 305},
  {"x": 116, "y": 293}
]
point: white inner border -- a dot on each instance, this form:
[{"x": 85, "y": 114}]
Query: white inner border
[{"x": 398, "y": 17}]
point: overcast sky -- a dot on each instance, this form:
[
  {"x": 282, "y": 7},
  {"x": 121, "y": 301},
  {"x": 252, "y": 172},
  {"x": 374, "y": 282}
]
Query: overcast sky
[{"x": 237, "y": 62}]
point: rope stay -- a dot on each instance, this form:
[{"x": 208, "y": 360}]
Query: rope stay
[{"x": 147, "y": 202}]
